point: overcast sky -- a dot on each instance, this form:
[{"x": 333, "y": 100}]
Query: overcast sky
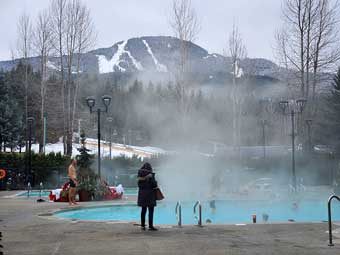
[{"x": 117, "y": 20}]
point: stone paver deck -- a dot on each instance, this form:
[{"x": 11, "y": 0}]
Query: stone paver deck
[{"x": 25, "y": 232}]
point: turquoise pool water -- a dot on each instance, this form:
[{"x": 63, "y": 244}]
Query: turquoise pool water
[
  {"x": 130, "y": 191},
  {"x": 34, "y": 194},
  {"x": 226, "y": 212}
]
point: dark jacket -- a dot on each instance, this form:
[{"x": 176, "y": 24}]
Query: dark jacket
[{"x": 146, "y": 185}]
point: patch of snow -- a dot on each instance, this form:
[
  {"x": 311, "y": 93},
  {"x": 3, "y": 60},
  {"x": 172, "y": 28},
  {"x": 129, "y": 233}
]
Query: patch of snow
[
  {"x": 210, "y": 76},
  {"x": 210, "y": 55},
  {"x": 107, "y": 66},
  {"x": 238, "y": 70},
  {"x": 91, "y": 144},
  {"x": 169, "y": 45},
  {"x": 134, "y": 61},
  {"x": 51, "y": 65},
  {"x": 160, "y": 67}
]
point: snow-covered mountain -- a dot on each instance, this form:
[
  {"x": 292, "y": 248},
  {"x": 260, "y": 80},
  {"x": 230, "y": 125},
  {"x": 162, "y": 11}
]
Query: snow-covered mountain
[{"x": 158, "y": 54}]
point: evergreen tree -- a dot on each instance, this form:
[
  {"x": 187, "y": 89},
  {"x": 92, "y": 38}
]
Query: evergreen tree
[
  {"x": 10, "y": 116},
  {"x": 328, "y": 130},
  {"x": 84, "y": 159}
]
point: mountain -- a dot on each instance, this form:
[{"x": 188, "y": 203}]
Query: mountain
[{"x": 159, "y": 56}]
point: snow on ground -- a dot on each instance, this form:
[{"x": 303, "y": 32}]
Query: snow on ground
[
  {"x": 238, "y": 70},
  {"x": 116, "y": 151},
  {"x": 106, "y": 66},
  {"x": 51, "y": 65},
  {"x": 160, "y": 67}
]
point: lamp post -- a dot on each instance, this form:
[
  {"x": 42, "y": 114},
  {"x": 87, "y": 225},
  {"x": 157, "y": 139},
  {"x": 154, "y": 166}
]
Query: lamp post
[
  {"x": 91, "y": 103},
  {"x": 293, "y": 108},
  {"x": 264, "y": 123},
  {"x": 29, "y": 174},
  {"x": 110, "y": 119},
  {"x": 309, "y": 123}
]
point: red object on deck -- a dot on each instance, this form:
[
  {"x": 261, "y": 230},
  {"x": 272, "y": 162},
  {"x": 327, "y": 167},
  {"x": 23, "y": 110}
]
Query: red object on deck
[
  {"x": 254, "y": 218},
  {"x": 53, "y": 198},
  {"x": 113, "y": 195}
]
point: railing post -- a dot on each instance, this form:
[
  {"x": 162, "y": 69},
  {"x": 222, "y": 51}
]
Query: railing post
[
  {"x": 199, "y": 219},
  {"x": 178, "y": 211},
  {"x": 200, "y": 214},
  {"x": 28, "y": 189},
  {"x": 40, "y": 189},
  {"x": 330, "y": 219}
]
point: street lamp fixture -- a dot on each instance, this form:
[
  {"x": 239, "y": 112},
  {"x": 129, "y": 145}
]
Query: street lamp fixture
[
  {"x": 284, "y": 105},
  {"x": 91, "y": 102},
  {"x": 295, "y": 107},
  {"x": 301, "y": 103},
  {"x": 106, "y": 101}
]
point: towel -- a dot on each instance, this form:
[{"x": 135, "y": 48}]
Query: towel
[{"x": 56, "y": 193}]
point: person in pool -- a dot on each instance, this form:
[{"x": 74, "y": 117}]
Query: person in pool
[
  {"x": 212, "y": 206},
  {"x": 146, "y": 194}
]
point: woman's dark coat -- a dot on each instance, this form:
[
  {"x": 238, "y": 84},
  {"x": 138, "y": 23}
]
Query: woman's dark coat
[{"x": 146, "y": 191}]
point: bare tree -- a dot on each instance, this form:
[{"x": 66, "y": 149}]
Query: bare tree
[
  {"x": 308, "y": 41},
  {"x": 237, "y": 52},
  {"x": 58, "y": 14},
  {"x": 71, "y": 33},
  {"x": 325, "y": 45},
  {"x": 85, "y": 40},
  {"x": 42, "y": 43},
  {"x": 24, "y": 30},
  {"x": 185, "y": 25},
  {"x": 74, "y": 34}
]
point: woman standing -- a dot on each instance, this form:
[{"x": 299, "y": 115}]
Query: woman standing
[{"x": 146, "y": 194}]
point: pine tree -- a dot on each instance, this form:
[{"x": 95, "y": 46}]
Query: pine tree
[
  {"x": 328, "y": 130},
  {"x": 85, "y": 176},
  {"x": 10, "y": 116},
  {"x": 84, "y": 160}
]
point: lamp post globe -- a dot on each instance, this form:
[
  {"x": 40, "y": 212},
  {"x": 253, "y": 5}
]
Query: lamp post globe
[
  {"x": 90, "y": 102},
  {"x": 106, "y": 101}
]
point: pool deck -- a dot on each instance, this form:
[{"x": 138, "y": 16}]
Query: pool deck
[{"x": 25, "y": 232}]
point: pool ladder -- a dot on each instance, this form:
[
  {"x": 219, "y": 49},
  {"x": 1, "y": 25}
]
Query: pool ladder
[
  {"x": 199, "y": 218},
  {"x": 330, "y": 218},
  {"x": 178, "y": 211}
]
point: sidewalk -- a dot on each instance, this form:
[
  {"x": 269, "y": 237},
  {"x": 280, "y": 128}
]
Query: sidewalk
[{"x": 24, "y": 232}]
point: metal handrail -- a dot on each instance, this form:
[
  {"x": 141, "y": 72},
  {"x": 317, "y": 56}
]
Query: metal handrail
[
  {"x": 330, "y": 218},
  {"x": 40, "y": 189},
  {"x": 178, "y": 211},
  {"x": 199, "y": 219},
  {"x": 28, "y": 189}
]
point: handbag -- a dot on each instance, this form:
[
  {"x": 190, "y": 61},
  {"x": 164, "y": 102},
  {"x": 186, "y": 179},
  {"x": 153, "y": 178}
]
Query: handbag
[{"x": 159, "y": 194}]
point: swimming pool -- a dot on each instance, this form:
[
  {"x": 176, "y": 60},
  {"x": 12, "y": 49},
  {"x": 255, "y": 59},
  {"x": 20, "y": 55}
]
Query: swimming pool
[
  {"x": 34, "y": 194},
  {"x": 227, "y": 211},
  {"x": 130, "y": 191}
]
